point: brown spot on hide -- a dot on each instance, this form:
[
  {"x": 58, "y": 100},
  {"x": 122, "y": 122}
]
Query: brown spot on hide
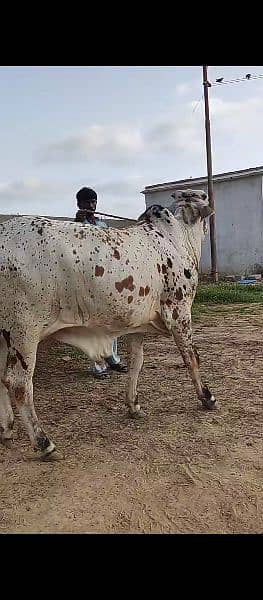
[
  {"x": 99, "y": 271},
  {"x": 116, "y": 254},
  {"x": 19, "y": 392},
  {"x": 164, "y": 269},
  {"x": 185, "y": 324},
  {"x": 127, "y": 261},
  {"x": 130, "y": 299},
  {"x": 159, "y": 268},
  {"x": 125, "y": 284},
  {"x": 23, "y": 363},
  {"x": 168, "y": 302},
  {"x": 141, "y": 291},
  {"x": 11, "y": 360},
  {"x": 146, "y": 291},
  {"x": 175, "y": 314},
  {"x": 179, "y": 294},
  {"x": 169, "y": 262},
  {"x": 6, "y": 335}
]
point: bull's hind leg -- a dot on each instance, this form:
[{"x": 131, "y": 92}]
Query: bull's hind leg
[
  {"x": 135, "y": 344},
  {"x": 17, "y": 378},
  {"x": 6, "y": 412},
  {"x": 182, "y": 332}
]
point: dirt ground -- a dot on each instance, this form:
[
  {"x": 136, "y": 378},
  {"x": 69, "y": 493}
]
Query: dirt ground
[{"x": 182, "y": 470}]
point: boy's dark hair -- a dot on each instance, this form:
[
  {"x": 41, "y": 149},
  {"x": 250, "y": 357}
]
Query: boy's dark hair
[{"x": 84, "y": 196}]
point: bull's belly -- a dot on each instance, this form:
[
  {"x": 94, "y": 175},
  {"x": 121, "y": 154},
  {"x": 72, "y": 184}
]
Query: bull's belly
[
  {"x": 96, "y": 340},
  {"x": 96, "y": 344}
]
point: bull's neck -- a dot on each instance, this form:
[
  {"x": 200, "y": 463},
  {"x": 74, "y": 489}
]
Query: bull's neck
[
  {"x": 195, "y": 235},
  {"x": 191, "y": 237}
]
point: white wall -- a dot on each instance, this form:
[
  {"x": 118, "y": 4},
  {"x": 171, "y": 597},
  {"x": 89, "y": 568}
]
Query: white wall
[{"x": 239, "y": 222}]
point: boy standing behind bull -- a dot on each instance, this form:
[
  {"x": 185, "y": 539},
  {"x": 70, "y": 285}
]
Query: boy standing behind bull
[{"x": 87, "y": 204}]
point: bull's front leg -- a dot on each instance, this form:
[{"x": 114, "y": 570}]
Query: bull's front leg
[
  {"x": 182, "y": 332},
  {"x": 135, "y": 346}
]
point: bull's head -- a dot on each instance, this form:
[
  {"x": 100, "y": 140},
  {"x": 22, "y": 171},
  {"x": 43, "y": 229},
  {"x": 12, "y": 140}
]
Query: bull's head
[
  {"x": 153, "y": 212},
  {"x": 190, "y": 205}
]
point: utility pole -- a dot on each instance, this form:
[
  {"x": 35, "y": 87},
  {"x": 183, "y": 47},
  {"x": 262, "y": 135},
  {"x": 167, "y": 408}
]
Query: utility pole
[{"x": 212, "y": 222}]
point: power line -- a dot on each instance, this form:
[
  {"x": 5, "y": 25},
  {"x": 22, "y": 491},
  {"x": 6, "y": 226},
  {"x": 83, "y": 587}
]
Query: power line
[
  {"x": 196, "y": 105},
  {"x": 221, "y": 81},
  {"x": 247, "y": 77}
]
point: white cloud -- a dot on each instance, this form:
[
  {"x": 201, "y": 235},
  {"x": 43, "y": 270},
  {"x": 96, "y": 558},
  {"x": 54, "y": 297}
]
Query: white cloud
[
  {"x": 120, "y": 207},
  {"x": 98, "y": 142},
  {"x": 125, "y": 145},
  {"x": 23, "y": 188},
  {"x": 121, "y": 187},
  {"x": 175, "y": 136},
  {"x": 35, "y": 196},
  {"x": 238, "y": 116},
  {"x": 236, "y": 130},
  {"x": 221, "y": 108},
  {"x": 183, "y": 88}
]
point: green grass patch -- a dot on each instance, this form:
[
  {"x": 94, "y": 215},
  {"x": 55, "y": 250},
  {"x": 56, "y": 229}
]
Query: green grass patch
[
  {"x": 228, "y": 293},
  {"x": 221, "y": 309}
]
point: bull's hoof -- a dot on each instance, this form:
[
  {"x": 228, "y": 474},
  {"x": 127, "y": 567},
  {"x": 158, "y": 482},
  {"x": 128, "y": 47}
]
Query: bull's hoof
[
  {"x": 54, "y": 456},
  {"x": 209, "y": 404},
  {"x": 137, "y": 414},
  {"x": 208, "y": 400},
  {"x": 48, "y": 454}
]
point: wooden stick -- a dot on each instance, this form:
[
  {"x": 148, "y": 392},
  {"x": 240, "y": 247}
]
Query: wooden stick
[{"x": 114, "y": 216}]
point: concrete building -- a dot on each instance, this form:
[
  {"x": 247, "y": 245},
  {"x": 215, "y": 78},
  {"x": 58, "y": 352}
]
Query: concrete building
[{"x": 239, "y": 218}]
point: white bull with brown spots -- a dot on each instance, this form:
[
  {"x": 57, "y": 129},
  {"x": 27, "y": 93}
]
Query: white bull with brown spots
[{"x": 85, "y": 286}]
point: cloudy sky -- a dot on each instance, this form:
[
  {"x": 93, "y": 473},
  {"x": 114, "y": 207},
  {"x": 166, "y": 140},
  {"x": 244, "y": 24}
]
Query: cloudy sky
[{"x": 118, "y": 129}]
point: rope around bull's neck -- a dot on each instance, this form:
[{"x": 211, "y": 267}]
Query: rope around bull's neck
[{"x": 189, "y": 242}]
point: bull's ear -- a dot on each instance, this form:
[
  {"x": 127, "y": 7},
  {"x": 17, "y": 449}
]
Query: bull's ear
[{"x": 206, "y": 211}]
